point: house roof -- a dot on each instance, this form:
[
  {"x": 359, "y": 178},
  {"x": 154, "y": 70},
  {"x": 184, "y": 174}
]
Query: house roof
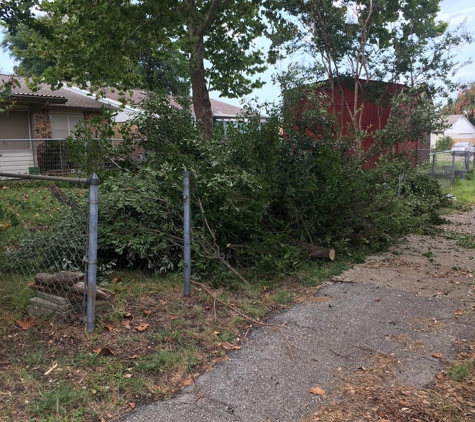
[
  {"x": 138, "y": 95},
  {"x": 453, "y": 118},
  {"x": 61, "y": 97}
]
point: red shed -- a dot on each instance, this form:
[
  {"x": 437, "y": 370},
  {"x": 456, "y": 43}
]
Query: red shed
[{"x": 372, "y": 106}]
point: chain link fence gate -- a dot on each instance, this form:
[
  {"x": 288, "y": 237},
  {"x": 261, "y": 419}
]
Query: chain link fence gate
[{"x": 48, "y": 242}]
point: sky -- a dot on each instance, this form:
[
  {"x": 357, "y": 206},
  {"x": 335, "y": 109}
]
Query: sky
[{"x": 452, "y": 11}]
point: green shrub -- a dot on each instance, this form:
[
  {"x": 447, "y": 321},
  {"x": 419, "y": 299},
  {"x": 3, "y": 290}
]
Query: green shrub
[{"x": 257, "y": 191}]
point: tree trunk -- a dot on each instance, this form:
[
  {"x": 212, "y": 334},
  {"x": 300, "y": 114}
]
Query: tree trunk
[{"x": 200, "y": 93}]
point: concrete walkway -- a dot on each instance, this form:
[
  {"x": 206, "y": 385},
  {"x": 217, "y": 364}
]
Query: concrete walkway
[{"x": 263, "y": 382}]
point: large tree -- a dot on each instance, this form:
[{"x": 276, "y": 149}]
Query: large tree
[
  {"x": 464, "y": 103},
  {"x": 17, "y": 44},
  {"x": 100, "y": 42},
  {"x": 160, "y": 70}
]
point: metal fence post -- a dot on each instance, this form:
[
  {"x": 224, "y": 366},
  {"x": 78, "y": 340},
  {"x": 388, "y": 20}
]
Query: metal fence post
[
  {"x": 434, "y": 159},
  {"x": 452, "y": 176},
  {"x": 92, "y": 251},
  {"x": 187, "y": 232}
]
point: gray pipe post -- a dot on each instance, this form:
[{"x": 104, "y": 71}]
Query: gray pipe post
[
  {"x": 92, "y": 252},
  {"x": 187, "y": 232},
  {"x": 452, "y": 175}
]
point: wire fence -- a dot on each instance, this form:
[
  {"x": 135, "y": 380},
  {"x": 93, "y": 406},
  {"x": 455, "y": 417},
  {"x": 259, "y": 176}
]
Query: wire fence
[
  {"x": 57, "y": 157},
  {"x": 447, "y": 166},
  {"x": 44, "y": 241}
]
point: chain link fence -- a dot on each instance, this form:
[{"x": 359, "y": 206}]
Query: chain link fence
[
  {"x": 446, "y": 166},
  {"x": 44, "y": 243},
  {"x": 44, "y": 232},
  {"x": 60, "y": 157}
]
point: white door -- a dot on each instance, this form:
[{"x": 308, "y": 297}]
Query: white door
[{"x": 16, "y": 152}]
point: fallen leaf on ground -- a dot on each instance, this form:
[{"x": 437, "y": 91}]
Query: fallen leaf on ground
[
  {"x": 215, "y": 333},
  {"x": 128, "y": 376},
  {"x": 126, "y": 321},
  {"x": 147, "y": 312},
  {"x": 116, "y": 279},
  {"x": 109, "y": 327},
  {"x": 173, "y": 317},
  {"x": 317, "y": 391},
  {"x": 378, "y": 299},
  {"x": 437, "y": 355},
  {"x": 229, "y": 346},
  {"x": 104, "y": 351},
  {"x": 458, "y": 312},
  {"x": 132, "y": 405},
  {"x": 133, "y": 357},
  {"x": 26, "y": 324},
  {"x": 187, "y": 382},
  {"x": 142, "y": 327}
]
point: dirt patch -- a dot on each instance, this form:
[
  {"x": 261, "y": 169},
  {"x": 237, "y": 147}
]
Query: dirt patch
[
  {"x": 426, "y": 265},
  {"x": 373, "y": 394}
]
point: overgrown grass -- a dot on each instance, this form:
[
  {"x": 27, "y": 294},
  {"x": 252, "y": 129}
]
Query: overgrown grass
[
  {"x": 464, "y": 191},
  {"x": 30, "y": 206},
  {"x": 14, "y": 298},
  {"x": 461, "y": 370}
]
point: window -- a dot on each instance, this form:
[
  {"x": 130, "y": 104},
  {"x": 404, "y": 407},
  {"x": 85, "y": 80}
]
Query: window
[{"x": 64, "y": 125}]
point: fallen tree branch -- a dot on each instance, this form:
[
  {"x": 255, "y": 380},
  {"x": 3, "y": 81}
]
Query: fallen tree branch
[
  {"x": 217, "y": 254},
  {"x": 247, "y": 317}
]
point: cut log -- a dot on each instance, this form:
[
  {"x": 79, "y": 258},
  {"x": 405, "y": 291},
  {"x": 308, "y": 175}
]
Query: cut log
[
  {"x": 318, "y": 252},
  {"x": 63, "y": 278},
  {"x": 54, "y": 291},
  {"x": 322, "y": 253},
  {"x": 101, "y": 293}
]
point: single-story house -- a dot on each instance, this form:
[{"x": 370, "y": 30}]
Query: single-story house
[
  {"x": 222, "y": 112},
  {"x": 460, "y": 130},
  {"x": 38, "y": 115}
]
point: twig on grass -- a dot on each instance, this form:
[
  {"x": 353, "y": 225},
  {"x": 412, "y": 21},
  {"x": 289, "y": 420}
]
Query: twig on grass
[{"x": 237, "y": 311}]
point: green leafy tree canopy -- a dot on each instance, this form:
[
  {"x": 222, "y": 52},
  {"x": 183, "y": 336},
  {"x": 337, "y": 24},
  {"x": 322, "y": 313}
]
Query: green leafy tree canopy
[{"x": 101, "y": 42}]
